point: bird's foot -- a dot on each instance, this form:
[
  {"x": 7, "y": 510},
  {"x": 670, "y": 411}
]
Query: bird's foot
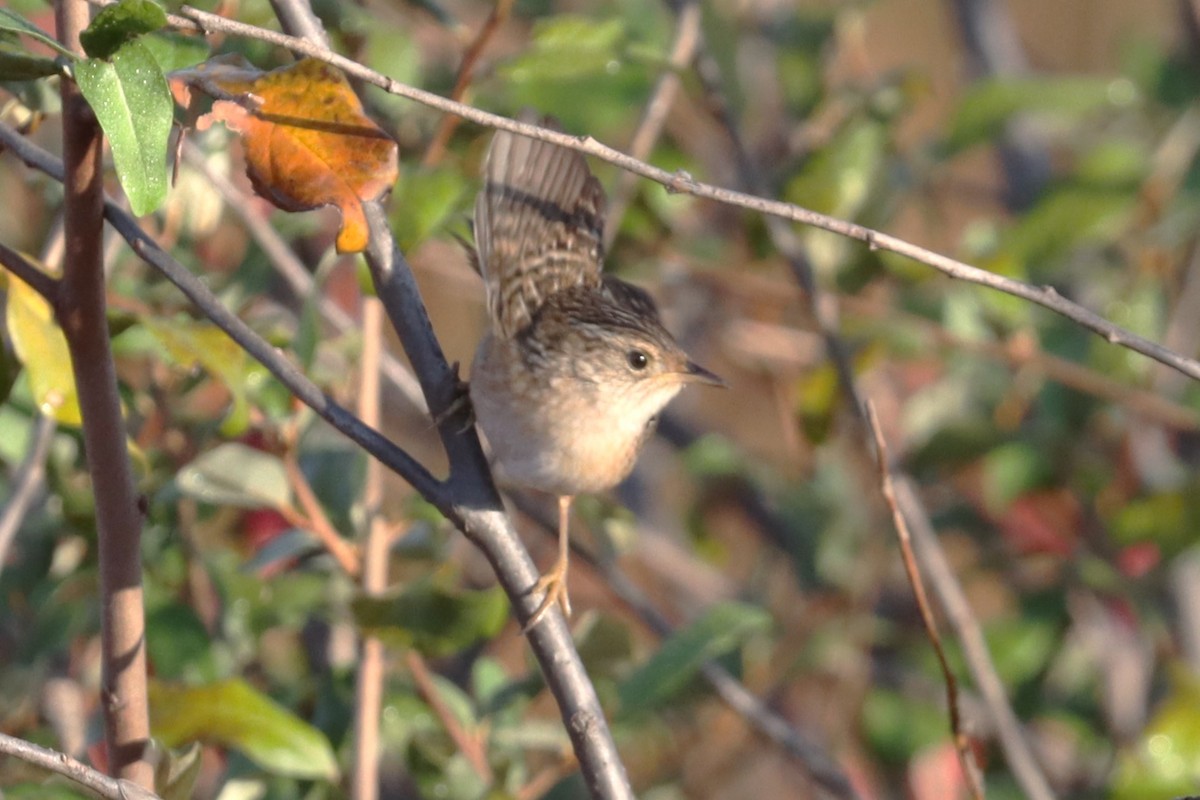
[
  {"x": 554, "y": 584},
  {"x": 461, "y": 403}
]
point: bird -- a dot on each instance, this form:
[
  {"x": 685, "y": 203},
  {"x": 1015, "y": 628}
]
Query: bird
[{"x": 568, "y": 382}]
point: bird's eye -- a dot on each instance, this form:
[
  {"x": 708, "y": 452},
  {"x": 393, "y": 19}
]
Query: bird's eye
[{"x": 637, "y": 359}]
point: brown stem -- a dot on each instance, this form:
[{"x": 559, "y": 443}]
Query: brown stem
[
  {"x": 437, "y": 147},
  {"x": 654, "y": 115},
  {"x": 315, "y": 519},
  {"x": 469, "y": 743},
  {"x": 962, "y": 743},
  {"x": 369, "y": 686},
  {"x": 80, "y": 309}
]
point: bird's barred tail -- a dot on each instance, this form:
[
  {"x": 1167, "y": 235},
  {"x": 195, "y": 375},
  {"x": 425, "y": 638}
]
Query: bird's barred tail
[{"x": 539, "y": 226}]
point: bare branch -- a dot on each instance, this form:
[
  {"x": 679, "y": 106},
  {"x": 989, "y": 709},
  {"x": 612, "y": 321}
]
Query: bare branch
[
  {"x": 468, "y": 501},
  {"x": 314, "y": 517},
  {"x": 476, "y": 504},
  {"x": 497, "y": 17},
  {"x": 682, "y": 182},
  {"x": 824, "y": 309},
  {"x": 298, "y": 19},
  {"x": 470, "y": 743},
  {"x": 80, "y": 773},
  {"x": 24, "y": 269}
]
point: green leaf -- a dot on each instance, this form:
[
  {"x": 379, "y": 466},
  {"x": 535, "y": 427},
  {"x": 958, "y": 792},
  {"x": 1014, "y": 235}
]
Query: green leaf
[
  {"x": 1010, "y": 471},
  {"x": 120, "y": 23},
  {"x": 431, "y": 619},
  {"x": 989, "y": 104},
  {"x": 178, "y": 643},
  {"x": 12, "y": 21},
  {"x": 234, "y": 474},
  {"x": 234, "y": 714},
  {"x": 175, "y": 51},
  {"x": 189, "y": 343},
  {"x": 898, "y": 727},
  {"x": 1166, "y": 760},
  {"x": 134, "y": 107},
  {"x": 668, "y": 671},
  {"x": 16, "y": 65},
  {"x": 40, "y": 345},
  {"x": 567, "y": 47},
  {"x": 176, "y": 773},
  {"x": 426, "y": 200}
]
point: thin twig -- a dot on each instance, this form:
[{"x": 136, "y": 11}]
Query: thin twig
[
  {"x": 683, "y": 183},
  {"x": 544, "y": 781},
  {"x": 315, "y": 519},
  {"x": 24, "y": 269},
  {"x": 80, "y": 309},
  {"x": 962, "y": 743},
  {"x": 80, "y": 773},
  {"x": 958, "y": 613},
  {"x": 497, "y": 17},
  {"x": 472, "y": 746},
  {"x": 27, "y": 482}
]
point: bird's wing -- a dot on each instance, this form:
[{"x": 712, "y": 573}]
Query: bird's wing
[{"x": 539, "y": 226}]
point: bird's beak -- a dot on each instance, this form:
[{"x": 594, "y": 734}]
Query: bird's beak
[{"x": 694, "y": 373}]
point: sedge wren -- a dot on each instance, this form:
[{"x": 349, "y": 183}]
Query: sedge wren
[{"x": 568, "y": 383}]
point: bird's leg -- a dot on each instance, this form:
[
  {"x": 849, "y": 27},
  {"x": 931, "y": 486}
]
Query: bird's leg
[{"x": 554, "y": 582}]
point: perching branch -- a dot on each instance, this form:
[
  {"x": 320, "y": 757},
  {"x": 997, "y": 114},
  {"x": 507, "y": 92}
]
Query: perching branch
[{"x": 475, "y": 507}]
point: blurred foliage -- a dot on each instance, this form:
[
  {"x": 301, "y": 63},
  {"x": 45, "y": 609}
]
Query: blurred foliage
[{"x": 1060, "y": 470}]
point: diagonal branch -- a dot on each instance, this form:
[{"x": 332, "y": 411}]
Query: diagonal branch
[
  {"x": 682, "y": 182},
  {"x": 80, "y": 773},
  {"x": 24, "y": 269},
  {"x": 1017, "y": 751},
  {"x": 307, "y": 392}
]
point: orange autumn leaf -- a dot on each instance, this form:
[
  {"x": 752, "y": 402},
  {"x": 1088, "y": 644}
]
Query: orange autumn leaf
[{"x": 307, "y": 141}]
